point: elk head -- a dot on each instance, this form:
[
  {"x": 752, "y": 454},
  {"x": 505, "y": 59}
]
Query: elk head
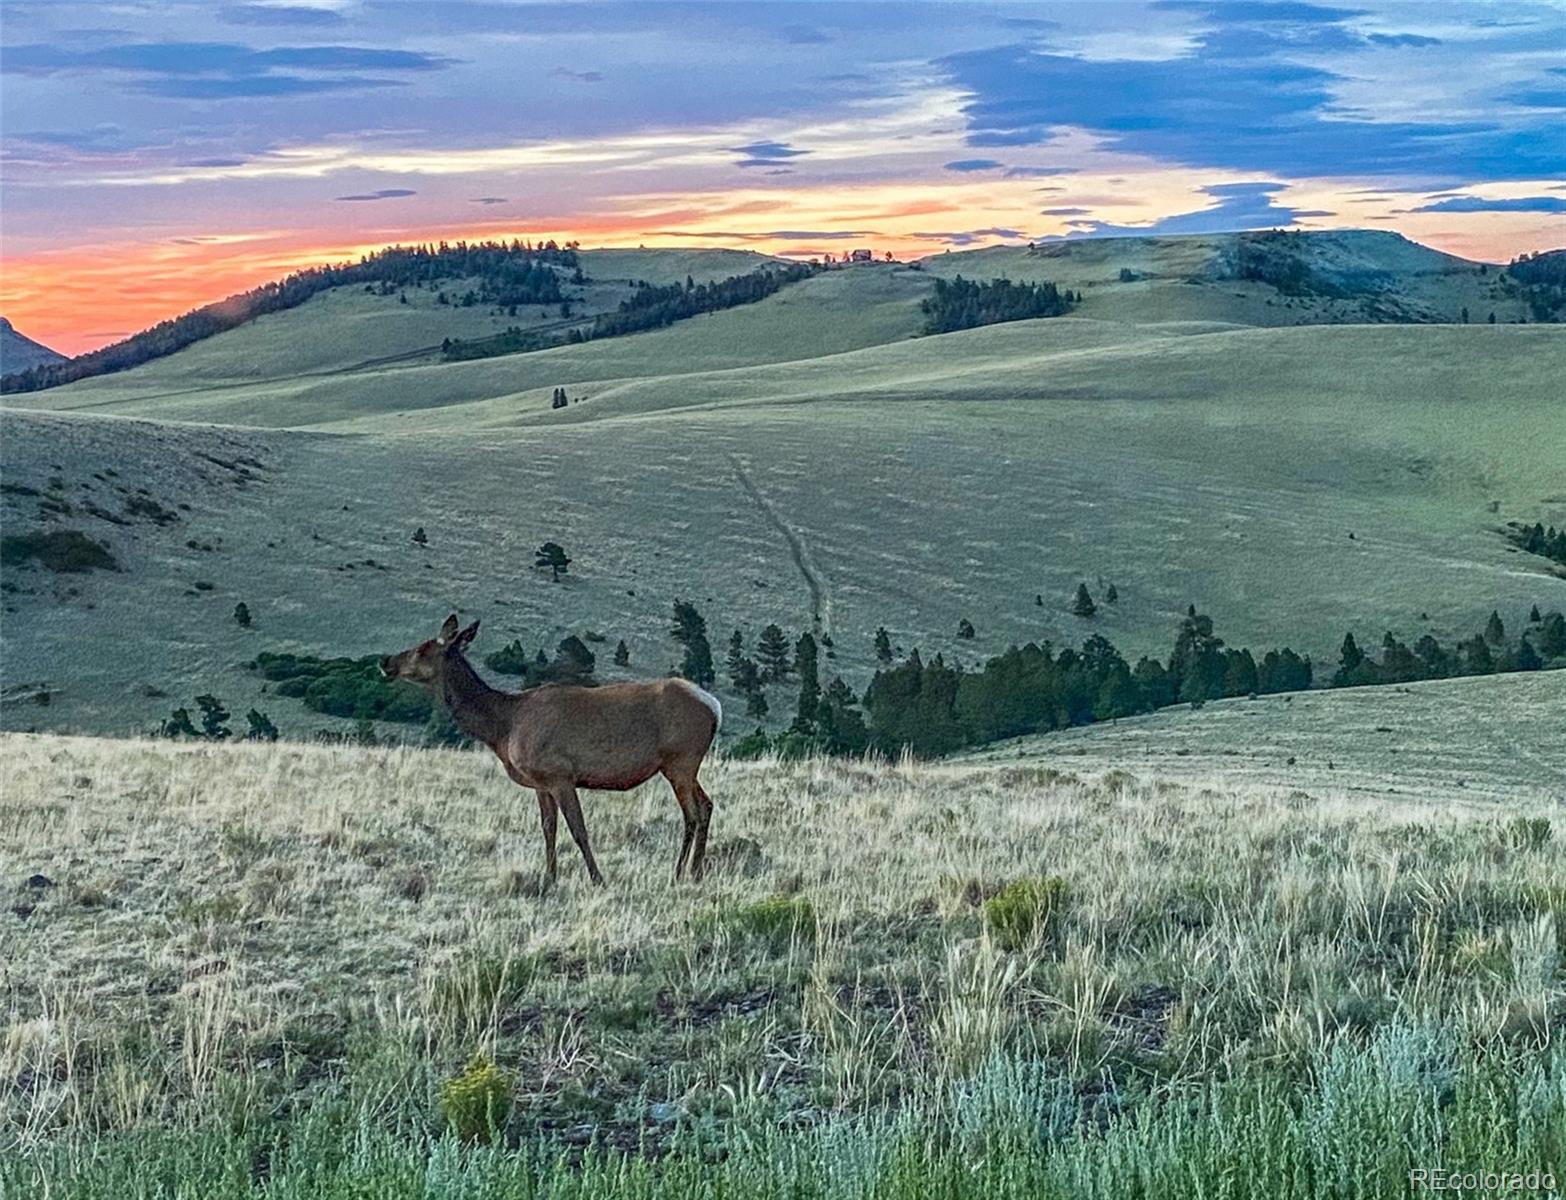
[{"x": 425, "y": 663}]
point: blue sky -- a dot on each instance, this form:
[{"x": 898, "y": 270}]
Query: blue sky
[{"x": 186, "y": 147}]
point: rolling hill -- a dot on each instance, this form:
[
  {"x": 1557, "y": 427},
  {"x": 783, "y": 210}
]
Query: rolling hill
[
  {"x": 18, "y": 352},
  {"x": 1293, "y": 463}
]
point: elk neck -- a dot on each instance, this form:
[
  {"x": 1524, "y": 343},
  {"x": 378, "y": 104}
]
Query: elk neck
[{"x": 480, "y": 711}]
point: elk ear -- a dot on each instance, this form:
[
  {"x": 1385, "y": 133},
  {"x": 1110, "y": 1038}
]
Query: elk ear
[
  {"x": 465, "y": 637},
  {"x": 448, "y": 630}
]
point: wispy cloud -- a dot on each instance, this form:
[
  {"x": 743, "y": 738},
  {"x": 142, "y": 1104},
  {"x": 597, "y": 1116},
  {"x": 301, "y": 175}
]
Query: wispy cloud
[
  {"x": 226, "y": 70},
  {"x": 382, "y": 194},
  {"x": 280, "y": 14},
  {"x": 1515, "y": 204},
  {"x": 973, "y": 164},
  {"x": 765, "y": 154}
]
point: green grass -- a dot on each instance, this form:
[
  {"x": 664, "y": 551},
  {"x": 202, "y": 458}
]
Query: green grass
[{"x": 1356, "y": 1125}]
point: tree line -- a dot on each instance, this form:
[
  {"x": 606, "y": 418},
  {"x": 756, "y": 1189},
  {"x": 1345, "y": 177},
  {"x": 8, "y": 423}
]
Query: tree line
[
  {"x": 1542, "y": 277},
  {"x": 648, "y": 307},
  {"x": 934, "y": 707},
  {"x": 509, "y": 273},
  {"x": 1536, "y": 539},
  {"x": 966, "y": 304}
]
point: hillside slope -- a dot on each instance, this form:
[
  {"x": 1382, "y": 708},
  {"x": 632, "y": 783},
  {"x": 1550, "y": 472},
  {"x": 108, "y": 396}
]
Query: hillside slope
[
  {"x": 1444, "y": 739},
  {"x": 18, "y": 352},
  {"x": 802, "y": 460}
]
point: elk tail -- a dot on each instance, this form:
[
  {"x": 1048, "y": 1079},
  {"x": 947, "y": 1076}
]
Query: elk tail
[{"x": 711, "y": 702}]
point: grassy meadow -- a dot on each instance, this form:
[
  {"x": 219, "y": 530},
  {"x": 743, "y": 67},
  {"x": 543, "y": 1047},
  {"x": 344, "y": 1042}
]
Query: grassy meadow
[
  {"x": 251, "y": 968},
  {"x": 803, "y": 460}
]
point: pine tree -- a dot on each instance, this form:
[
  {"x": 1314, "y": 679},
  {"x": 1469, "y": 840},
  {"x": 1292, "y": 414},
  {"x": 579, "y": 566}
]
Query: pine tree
[
  {"x": 178, "y": 725},
  {"x": 420, "y": 537},
  {"x": 1112, "y": 595},
  {"x": 1527, "y": 657},
  {"x": 242, "y": 614},
  {"x": 883, "y": 645},
  {"x": 736, "y": 656},
  {"x": 622, "y": 654},
  {"x": 1552, "y": 636},
  {"x": 965, "y": 629},
  {"x": 1494, "y": 630},
  {"x": 690, "y": 630},
  {"x": 1083, "y": 605},
  {"x": 574, "y": 662},
  {"x": 756, "y": 704},
  {"x": 214, "y": 718},
  {"x": 551, "y": 556},
  {"x": 261, "y": 727},
  {"x": 805, "y": 660},
  {"x": 1350, "y": 661},
  {"x": 1533, "y": 615},
  {"x": 772, "y": 654}
]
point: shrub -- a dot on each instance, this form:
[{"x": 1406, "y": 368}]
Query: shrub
[
  {"x": 261, "y": 727},
  {"x": 1528, "y": 833},
  {"x": 65, "y": 551},
  {"x": 1023, "y": 912},
  {"x": 242, "y": 614},
  {"x": 753, "y": 745},
  {"x": 476, "y": 1103}
]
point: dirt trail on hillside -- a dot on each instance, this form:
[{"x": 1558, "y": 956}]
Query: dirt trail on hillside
[{"x": 820, "y": 598}]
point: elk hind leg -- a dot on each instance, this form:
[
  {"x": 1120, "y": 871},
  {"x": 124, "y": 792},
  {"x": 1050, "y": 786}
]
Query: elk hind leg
[
  {"x": 687, "y": 802},
  {"x": 703, "y": 820}
]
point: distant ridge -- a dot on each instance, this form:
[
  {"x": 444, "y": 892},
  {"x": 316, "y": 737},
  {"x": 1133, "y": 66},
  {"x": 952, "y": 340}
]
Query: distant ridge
[{"x": 19, "y": 352}]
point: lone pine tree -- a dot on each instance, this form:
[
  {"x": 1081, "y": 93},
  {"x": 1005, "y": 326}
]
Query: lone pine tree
[{"x": 551, "y": 556}]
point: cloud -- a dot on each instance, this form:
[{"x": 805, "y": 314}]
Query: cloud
[
  {"x": 221, "y": 70},
  {"x": 279, "y": 14},
  {"x": 1257, "y": 90},
  {"x": 765, "y": 154},
  {"x": 1240, "y": 206},
  {"x": 968, "y": 237},
  {"x": 1401, "y": 39},
  {"x": 973, "y": 164},
  {"x": 803, "y": 35},
  {"x": 1469, "y": 204},
  {"x": 489, "y": 200},
  {"x": 1038, "y": 172},
  {"x": 1065, "y": 212},
  {"x": 383, "y": 194},
  {"x": 577, "y": 76}
]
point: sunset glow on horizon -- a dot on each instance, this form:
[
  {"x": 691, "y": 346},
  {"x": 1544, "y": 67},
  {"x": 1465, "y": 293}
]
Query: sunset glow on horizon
[{"x": 160, "y": 160}]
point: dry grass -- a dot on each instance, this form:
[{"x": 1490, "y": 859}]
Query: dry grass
[{"x": 231, "y": 928}]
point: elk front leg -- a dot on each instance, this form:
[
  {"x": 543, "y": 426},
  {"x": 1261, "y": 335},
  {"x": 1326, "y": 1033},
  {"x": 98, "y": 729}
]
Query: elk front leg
[
  {"x": 571, "y": 809},
  {"x": 546, "y": 818}
]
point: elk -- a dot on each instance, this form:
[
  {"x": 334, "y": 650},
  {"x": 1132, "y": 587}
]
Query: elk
[{"x": 557, "y": 738}]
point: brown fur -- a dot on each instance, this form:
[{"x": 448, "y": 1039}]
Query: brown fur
[{"x": 557, "y": 738}]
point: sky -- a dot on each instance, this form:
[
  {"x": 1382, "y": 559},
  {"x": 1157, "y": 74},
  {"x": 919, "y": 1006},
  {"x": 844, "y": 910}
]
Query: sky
[{"x": 158, "y": 155}]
